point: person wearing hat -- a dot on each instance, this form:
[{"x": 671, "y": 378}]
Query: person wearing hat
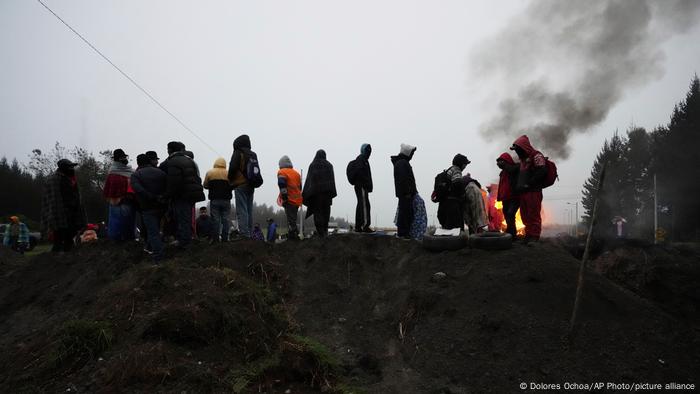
[
  {"x": 120, "y": 196},
  {"x": 148, "y": 183},
  {"x": 16, "y": 235},
  {"x": 153, "y": 158},
  {"x": 451, "y": 209},
  {"x": 360, "y": 176},
  {"x": 271, "y": 230},
  {"x": 62, "y": 213},
  {"x": 183, "y": 190},
  {"x": 405, "y": 189}
]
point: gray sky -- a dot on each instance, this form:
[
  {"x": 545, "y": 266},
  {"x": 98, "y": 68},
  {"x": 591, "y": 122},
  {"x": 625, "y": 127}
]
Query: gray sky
[{"x": 296, "y": 76}]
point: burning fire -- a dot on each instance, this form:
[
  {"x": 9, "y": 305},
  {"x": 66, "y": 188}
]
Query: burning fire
[{"x": 519, "y": 225}]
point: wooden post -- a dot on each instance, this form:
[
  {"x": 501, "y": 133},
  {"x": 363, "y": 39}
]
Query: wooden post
[{"x": 586, "y": 251}]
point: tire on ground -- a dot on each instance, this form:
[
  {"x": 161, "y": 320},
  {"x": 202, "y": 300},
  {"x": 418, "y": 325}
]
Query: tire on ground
[
  {"x": 491, "y": 241},
  {"x": 445, "y": 242}
]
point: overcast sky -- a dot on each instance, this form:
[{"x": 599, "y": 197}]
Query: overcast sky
[{"x": 296, "y": 76}]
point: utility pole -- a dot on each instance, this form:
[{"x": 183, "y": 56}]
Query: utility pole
[
  {"x": 656, "y": 212},
  {"x": 301, "y": 208}
]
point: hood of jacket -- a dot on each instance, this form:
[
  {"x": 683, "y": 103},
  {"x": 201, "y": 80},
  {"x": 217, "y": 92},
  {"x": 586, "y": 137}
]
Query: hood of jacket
[
  {"x": 366, "y": 150},
  {"x": 320, "y": 154},
  {"x": 524, "y": 143},
  {"x": 242, "y": 142},
  {"x": 220, "y": 163},
  {"x": 285, "y": 162},
  {"x": 505, "y": 156},
  {"x": 407, "y": 150}
]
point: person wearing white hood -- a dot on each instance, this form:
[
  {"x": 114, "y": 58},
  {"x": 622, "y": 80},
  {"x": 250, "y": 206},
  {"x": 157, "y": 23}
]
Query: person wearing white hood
[{"x": 405, "y": 188}]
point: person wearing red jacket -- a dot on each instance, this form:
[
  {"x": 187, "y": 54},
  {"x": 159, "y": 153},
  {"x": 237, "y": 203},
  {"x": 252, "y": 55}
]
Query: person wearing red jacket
[
  {"x": 507, "y": 182},
  {"x": 532, "y": 172},
  {"x": 118, "y": 192}
]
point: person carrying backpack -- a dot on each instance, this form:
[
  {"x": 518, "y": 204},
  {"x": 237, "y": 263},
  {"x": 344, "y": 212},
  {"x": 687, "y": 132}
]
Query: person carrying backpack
[
  {"x": 533, "y": 171},
  {"x": 244, "y": 175},
  {"x": 452, "y": 194},
  {"x": 289, "y": 182},
  {"x": 405, "y": 189},
  {"x": 507, "y": 184},
  {"x": 360, "y": 176},
  {"x": 149, "y": 184},
  {"x": 319, "y": 191}
]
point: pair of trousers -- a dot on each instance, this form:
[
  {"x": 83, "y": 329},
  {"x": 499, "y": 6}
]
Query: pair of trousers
[
  {"x": 244, "y": 209},
  {"x": 183, "y": 211},
  {"x": 510, "y": 209},
  {"x": 220, "y": 211},
  {"x": 405, "y": 216},
  {"x": 362, "y": 211},
  {"x": 530, "y": 207},
  {"x": 292, "y": 211},
  {"x": 151, "y": 222},
  {"x": 121, "y": 224}
]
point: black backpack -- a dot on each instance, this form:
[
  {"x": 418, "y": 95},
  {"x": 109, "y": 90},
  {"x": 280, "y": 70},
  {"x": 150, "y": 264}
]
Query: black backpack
[
  {"x": 352, "y": 171},
  {"x": 252, "y": 170},
  {"x": 441, "y": 187}
]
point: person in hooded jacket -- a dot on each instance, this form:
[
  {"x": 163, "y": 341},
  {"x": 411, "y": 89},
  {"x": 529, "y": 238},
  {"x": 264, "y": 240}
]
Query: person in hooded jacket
[
  {"x": 62, "y": 213},
  {"x": 362, "y": 183},
  {"x": 290, "y": 197},
  {"x": 118, "y": 192},
  {"x": 450, "y": 210},
  {"x": 149, "y": 184},
  {"x": 183, "y": 189},
  {"x": 405, "y": 189},
  {"x": 532, "y": 173},
  {"x": 319, "y": 191},
  {"x": 507, "y": 184},
  {"x": 242, "y": 189},
  {"x": 216, "y": 180}
]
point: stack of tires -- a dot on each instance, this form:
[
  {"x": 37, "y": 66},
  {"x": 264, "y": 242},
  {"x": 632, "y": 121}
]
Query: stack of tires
[
  {"x": 491, "y": 240},
  {"x": 485, "y": 241}
]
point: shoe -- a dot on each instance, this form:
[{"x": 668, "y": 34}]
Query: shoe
[{"x": 147, "y": 250}]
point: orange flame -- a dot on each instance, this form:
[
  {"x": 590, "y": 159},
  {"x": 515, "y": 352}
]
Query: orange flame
[{"x": 519, "y": 225}]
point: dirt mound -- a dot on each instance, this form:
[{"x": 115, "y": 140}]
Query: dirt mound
[
  {"x": 665, "y": 274},
  {"x": 347, "y": 313}
]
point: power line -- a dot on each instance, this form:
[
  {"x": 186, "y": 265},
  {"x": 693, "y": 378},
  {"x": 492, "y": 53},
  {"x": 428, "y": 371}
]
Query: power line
[{"x": 150, "y": 96}]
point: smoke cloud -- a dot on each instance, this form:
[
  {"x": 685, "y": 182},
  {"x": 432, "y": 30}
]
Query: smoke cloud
[{"x": 561, "y": 66}]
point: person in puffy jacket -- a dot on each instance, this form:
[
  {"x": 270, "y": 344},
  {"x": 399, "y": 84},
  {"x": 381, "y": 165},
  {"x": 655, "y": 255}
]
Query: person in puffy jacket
[
  {"x": 319, "y": 192},
  {"x": 183, "y": 189},
  {"x": 220, "y": 194},
  {"x": 532, "y": 173},
  {"x": 405, "y": 189},
  {"x": 290, "y": 197},
  {"x": 149, "y": 184},
  {"x": 507, "y": 184}
]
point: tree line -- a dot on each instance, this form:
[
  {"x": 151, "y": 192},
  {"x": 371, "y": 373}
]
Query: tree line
[
  {"x": 23, "y": 187},
  {"x": 667, "y": 153}
]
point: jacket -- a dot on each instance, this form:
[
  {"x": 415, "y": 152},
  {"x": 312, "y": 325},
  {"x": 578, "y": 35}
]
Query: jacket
[
  {"x": 61, "y": 207},
  {"x": 289, "y": 182},
  {"x": 532, "y": 169},
  {"x": 183, "y": 182},
  {"x": 149, "y": 184},
  {"x": 508, "y": 179},
  {"x": 216, "y": 180},
  {"x": 363, "y": 178},
  {"x": 117, "y": 185},
  {"x": 236, "y": 167},
  {"x": 404, "y": 181},
  {"x": 320, "y": 180},
  {"x": 457, "y": 190},
  {"x": 22, "y": 236}
]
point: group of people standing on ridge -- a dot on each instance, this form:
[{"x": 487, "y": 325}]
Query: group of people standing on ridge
[{"x": 162, "y": 195}]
